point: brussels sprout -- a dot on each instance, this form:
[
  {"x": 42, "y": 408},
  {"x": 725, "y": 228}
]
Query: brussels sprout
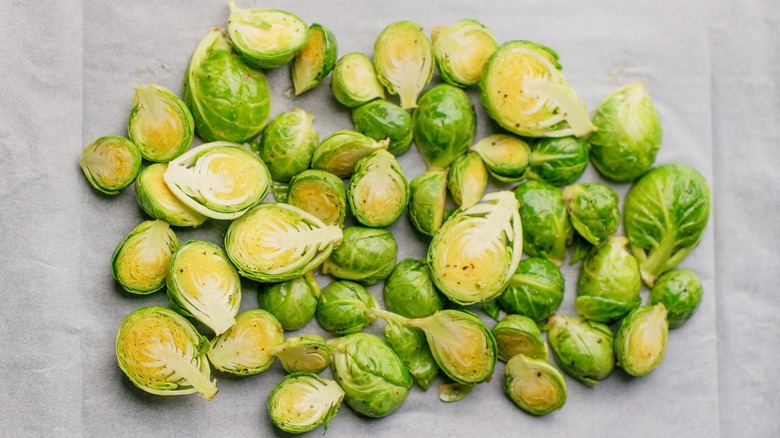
[
  {"x": 307, "y": 353},
  {"x": 506, "y": 157},
  {"x": 546, "y": 226},
  {"x": 248, "y": 347},
  {"x": 444, "y": 125},
  {"x": 156, "y": 199},
  {"x": 517, "y": 334},
  {"x": 534, "y": 385},
  {"x": 474, "y": 254},
  {"x": 428, "y": 201},
  {"x": 380, "y": 119},
  {"x": 558, "y": 161},
  {"x": 354, "y": 81},
  {"x": 203, "y": 284},
  {"x": 629, "y": 134},
  {"x": 680, "y": 291},
  {"x": 229, "y": 100},
  {"x": 410, "y": 345},
  {"x": 535, "y": 290},
  {"x": 220, "y": 180},
  {"x": 609, "y": 283},
  {"x": 640, "y": 341},
  {"x": 160, "y": 124},
  {"x": 163, "y": 354},
  {"x": 279, "y": 190},
  {"x": 288, "y": 144},
  {"x": 409, "y": 290},
  {"x": 374, "y": 378},
  {"x": 266, "y": 38},
  {"x": 345, "y": 307},
  {"x": 454, "y": 391},
  {"x": 300, "y": 402},
  {"x": 366, "y": 255},
  {"x": 665, "y": 214},
  {"x": 279, "y": 242},
  {"x": 378, "y": 191},
  {"x": 594, "y": 210},
  {"x": 110, "y": 164},
  {"x": 321, "y": 194},
  {"x": 523, "y": 90},
  {"x": 292, "y": 302},
  {"x": 462, "y": 50},
  {"x": 315, "y": 60},
  {"x": 582, "y": 348},
  {"x": 403, "y": 57},
  {"x": 492, "y": 308},
  {"x": 467, "y": 179},
  {"x": 141, "y": 259},
  {"x": 339, "y": 152}
]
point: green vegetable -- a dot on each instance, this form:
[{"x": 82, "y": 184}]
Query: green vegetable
[
  {"x": 378, "y": 191},
  {"x": 300, "y": 402},
  {"x": 462, "y": 50},
  {"x": 403, "y": 57},
  {"x": 366, "y": 255},
  {"x": 410, "y": 345},
  {"x": 247, "y": 347},
  {"x": 558, "y": 161},
  {"x": 427, "y": 201},
  {"x": 279, "y": 190},
  {"x": 292, "y": 302},
  {"x": 156, "y": 199},
  {"x": 141, "y": 259},
  {"x": 380, "y": 119},
  {"x": 345, "y": 307},
  {"x": 467, "y": 179},
  {"x": 492, "y": 308},
  {"x": 307, "y": 353},
  {"x": 535, "y": 290},
  {"x": 454, "y": 391},
  {"x": 517, "y": 334},
  {"x": 444, "y": 124},
  {"x": 546, "y": 226},
  {"x": 354, "y": 81},
  {"x": 410, "y": 292},
  {"x": 594, "y": 210},
  {"x": 160, "y": 124},
  {"x": 506, "y": 157},
  {"x": 534, "y": 385},
  {"x": 110, "y": 164},
  {"x": 319, "y": 193},
  {"x": 680, "y": 291},
  {"x": 315, "y": 60},
  {"x": 640, "y": 341},
  {"x": 582, "y": 348},
  {"x": 288, "y": 144},
  {"x": 266, "y": 38},
  {"x": 339, "y": 152}
]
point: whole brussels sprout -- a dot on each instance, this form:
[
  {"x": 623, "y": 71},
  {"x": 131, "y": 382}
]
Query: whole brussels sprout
[
  {"x": 534, "y": 385},
  {"x": 300, "y": 402},
  {"x": 403, "y": 57},
  {"x": 609, "y": 283},
  {"x": 594, "y": 210},
  {"x": 374, "y": 379},
  {"x": 517, "y": 334},
  {"x": 665, "y": 214},
  {"x": 428, "y": 201},
  {"x": 629, "y": 134},
  {"x": 292, "y": 302},
  {"x": 410, "y": 345},
  {"x": 229, "y": 100},
  {"x": 141, "y": 259},
  {"x": 410, "y": 292},
  {"x": 354, "y": 81},
  {"x": 535, "y": 290},
  {"x": 345, "y": 307},
  {"x": 467, "y": 179},
  {"x": 339, "y": 152},
  {"x": 366, "y": 255},
  {"x": 156, "y": 199},
  {"x": 315, "y": 60},
  {"x": 506, "y": 157},
  {"x": 247, "y": 347},
  {"x": 266, "y": 38},
  {"x": 546, "y": 226},
  {"x": 288, "y": 144},
  {"x": 110, "y": 164},
  {"x": 640, "y": 341},
  {"x": 444, "y": 125},
  {"x": 163, "y": 354},
  {"x": 680, "y": 291},
  {"x": 380, "y": 119},
  {"x": 582, "y": 348},
  {"x": 523, "y": 90},
  {"x": 319, "y": 193},
  {"x": 558, "y": 161},
  {"x": 378, "y": 191},
  {"x": 462, "y": 50},
  {"x": 160, "y": 124}
]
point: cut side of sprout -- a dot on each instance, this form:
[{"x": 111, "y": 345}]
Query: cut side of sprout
[
  {"x": 110, "y": 163},
  {"x": 140, "y": 262},
  {"x": 303, "y": 401},
  {"x": 245, "y": 348},
  {"x": 160, "y": 124},
  {"x": 403, "y": 57}
]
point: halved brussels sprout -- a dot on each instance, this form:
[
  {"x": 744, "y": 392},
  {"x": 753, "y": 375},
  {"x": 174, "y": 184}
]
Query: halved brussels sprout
[
  {"x": 247, "y": 347},
  {"x": 110, "y": 163},
  {"x": 523, "y": 90},
  {"x": 300, "y": 402},
  {"x": 378, "y": 191},
  {"x": 345, "y": 307},
  {"x": 534, "y": 385},
  {"x": 315, "y": 60},
  {"x": 583, "y": 349},
  {"x": 229, "y": 100},
  {"x": 403, "y": 57},
  {"x": 380, "y": 119},
  {"x": 279, "y": 242},
  {"x": 474, "y": 254},
  {"x": 163, "y": 354},
  {"x": 160, "y": 124},
  {"x": 462, "y": 50},
  {"x": 454, "y": 391},
  {"x": 629, "y": 134},
  {"x": 374, "y": 378},
  {"x": 354, "y": 81},
  {"x": 141, "y": 259},
  {"x": 410, "y": 345},
  {"x": 444, "y": 125},
  {"x": 220, "y": 180},
  {"x": 410, "y": 292},
  {"x": 366, "y": 255},
  {"x": 339, "y": 152},
  {"x": 307, "y": 353},
  {"x": 594, "y": 210},
  {"x": 428, "y": 201},
  {"x": 680, "y": 291},
  {"x": 558, "y": 161},
  {"x": 535, "y": 290},
  {"x": 156, "y": 199},
  {"x": 203, "y": 284},
  {"x": 467, "y": 179},
  {"x": 546, "y": 226},
  {"x": 506, "y": 157},
  {"x": 640, "y": 342},
  {"x": 292, "y": 302},
  {"x": 288, "y": 144},
  {"x": 320, "y": 193},
  {"x": 665, "y": 214},
  {"x": 266, "y": 38},
  {"x": 517, "y": 334}
]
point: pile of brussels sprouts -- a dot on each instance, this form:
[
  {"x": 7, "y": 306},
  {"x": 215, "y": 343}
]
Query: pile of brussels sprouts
[{"x": 475, "y": 249}]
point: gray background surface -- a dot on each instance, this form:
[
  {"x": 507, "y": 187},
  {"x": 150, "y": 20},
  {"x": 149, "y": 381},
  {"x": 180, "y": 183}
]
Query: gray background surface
[{"x": 69, "y": 69}]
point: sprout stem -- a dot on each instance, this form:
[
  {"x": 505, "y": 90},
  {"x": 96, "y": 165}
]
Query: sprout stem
[{"x": 389, "y": 316}]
